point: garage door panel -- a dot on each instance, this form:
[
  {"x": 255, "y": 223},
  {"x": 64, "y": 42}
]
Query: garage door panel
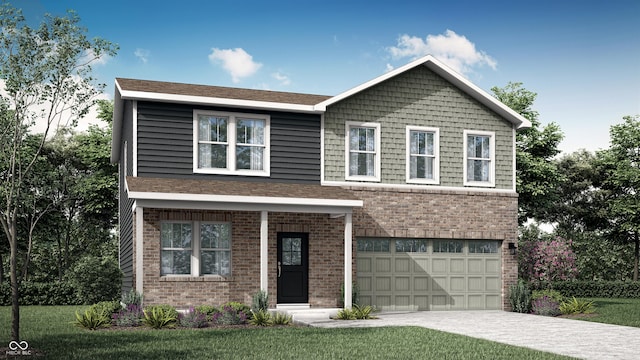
[
  {"x": 363, "y": 265},
  {"x": 402, "y": 265},
  {"x": 383, "y": 265},
  {"x": 383, "y": 283},
  {"x": 402, "y": 283},
  {"x": 470, "y": 279}
]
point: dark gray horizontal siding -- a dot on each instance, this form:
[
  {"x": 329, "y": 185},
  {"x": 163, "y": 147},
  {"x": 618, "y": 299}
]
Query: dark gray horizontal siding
[
  {"x": 124, "y": 203},
  {"x": 165, "y": 144}
]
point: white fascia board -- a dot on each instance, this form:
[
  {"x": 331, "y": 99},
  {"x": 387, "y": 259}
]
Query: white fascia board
[
  {"x": 203, "y": 100},
  {"x": 227, "y": 206},
  {"x": 235, "y": 199}
]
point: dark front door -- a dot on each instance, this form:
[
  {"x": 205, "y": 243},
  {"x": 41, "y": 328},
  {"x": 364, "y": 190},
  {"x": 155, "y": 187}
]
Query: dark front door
[{"x": 293, "y": 268}]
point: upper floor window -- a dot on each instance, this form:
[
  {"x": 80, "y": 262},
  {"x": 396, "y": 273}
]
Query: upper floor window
[
  {"x": 230, "y": 143},
  {"x": 479, "y": 158},
  {"x": 423, "y": 160},
  {"x": 362, "y": 145}
]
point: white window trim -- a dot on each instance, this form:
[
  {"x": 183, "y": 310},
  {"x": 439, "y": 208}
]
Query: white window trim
[
  {"x": 195, "y": 249},
  {"x": 348, "y": 126},
  {"x": 492, "y": 159},
  {"x": 436, "y": 153},
  {"x": 231, "y": 147}
]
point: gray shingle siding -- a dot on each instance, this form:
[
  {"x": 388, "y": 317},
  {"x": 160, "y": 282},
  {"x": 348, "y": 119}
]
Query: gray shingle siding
[
  {"x": 165, "y": 144},
  {"x": 124, "y": 203},
  {"x": 417, "y": 97}
]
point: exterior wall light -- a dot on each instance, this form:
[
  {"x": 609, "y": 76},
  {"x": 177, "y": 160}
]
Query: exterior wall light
[{"x": 512, "y": 248}]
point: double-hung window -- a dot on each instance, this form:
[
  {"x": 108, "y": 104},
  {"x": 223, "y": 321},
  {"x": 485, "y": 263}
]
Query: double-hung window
[
  {"x": 479, "y": 158},
  {"x": 362, "y": 151},
  {"x": 231, "y": 143},
  {"x": 423, "y": 160},
  {"x": 195, "y": 248}
]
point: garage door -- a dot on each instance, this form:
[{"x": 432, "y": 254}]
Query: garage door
[{"x": 420, "y": 274}]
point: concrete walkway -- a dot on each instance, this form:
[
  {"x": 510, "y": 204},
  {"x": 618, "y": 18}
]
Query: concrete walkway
[{"x": 581, "y": 339}]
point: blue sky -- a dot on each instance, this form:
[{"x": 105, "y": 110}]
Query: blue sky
[{"x": 581, "y": 57}]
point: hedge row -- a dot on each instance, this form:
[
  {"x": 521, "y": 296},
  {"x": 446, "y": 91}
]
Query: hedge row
[
  {"x": 33, "y": 293},
  {"x": 592, "y": 289}
]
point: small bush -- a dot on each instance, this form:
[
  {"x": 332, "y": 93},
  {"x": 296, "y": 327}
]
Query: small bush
[
  {"x": 92, "y": 319},
  {"x": 239, "y": 307},
  {"x": 260, "y": 301},
  {"x": 193, "y": 319},
  {"x": 520, "y": 297},
  {"x": 346, "y": 314},
  {"x": 575, "y": 306},
  {"x": 553, "y": 294},
  {"x": 279, "y": 318},
  {"x": 363, "y": 312},
  {"x": 160, "y": 316},
  {"x": 208, "y": 310},
  {"x": 229, "y": 316},
  {"x": 261, "y": 318},
  {"x": 593, "y": 289},
  {"x": 41, "y": 293},
  {"x": 108, "y": 307},
  {"x": 545, "y": 306},
  {"x": 132, "y": 298},
  {"x": 130, "y": 316}
]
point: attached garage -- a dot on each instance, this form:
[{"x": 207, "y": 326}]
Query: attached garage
[{"x": 429, "y": 274}]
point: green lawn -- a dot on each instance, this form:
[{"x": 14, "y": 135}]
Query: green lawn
[
  {"x": 616, "y": 311},
  {"x": 49, "y": 329}
]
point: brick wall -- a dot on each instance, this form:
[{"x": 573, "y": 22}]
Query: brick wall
[
  {"x": 432, "y": 214},
  {"x": 326, "y": 255}
]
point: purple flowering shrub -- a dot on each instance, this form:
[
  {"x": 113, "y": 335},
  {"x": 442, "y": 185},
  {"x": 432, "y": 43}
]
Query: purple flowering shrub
[
  {"x": 192, "y": 319},
  {"x": 545, "y": 260},
  {"x": 229, "y": 316},
  {"x": 546, "y": 306},
  {"x": 129, "y": 316}
]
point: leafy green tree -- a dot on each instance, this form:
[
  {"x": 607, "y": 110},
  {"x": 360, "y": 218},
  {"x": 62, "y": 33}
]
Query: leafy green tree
[
  {"x": 620, "y": 165},
  {"x": 47, "y": 75},
  {"x": 537, "y": 175}
]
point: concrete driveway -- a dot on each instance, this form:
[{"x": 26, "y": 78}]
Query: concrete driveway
[{"x": 581, "y": 339}]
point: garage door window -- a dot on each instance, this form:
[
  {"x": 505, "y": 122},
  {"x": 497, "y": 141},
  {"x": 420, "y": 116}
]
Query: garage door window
[
  {"x": 483, "y": 247},
  {"x": 447, "y": 246},
  {"x": 411, "y": 245},
  {"x": 374, "y": 245}
]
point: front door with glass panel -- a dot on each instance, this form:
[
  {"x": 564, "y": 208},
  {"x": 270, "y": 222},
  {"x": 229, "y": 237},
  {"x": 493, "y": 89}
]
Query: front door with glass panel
[{"x": 293, "y": 268}]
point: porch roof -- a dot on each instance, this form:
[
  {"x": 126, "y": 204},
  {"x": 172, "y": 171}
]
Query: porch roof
[{"x": 240, "y": 195}]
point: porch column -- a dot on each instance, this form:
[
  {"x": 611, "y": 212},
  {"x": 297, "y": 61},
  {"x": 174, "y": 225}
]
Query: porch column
[
  {"x": 139, "y": 270},
  {"x": 264, "y": 251},
  {"x": 348, "y": 255}
]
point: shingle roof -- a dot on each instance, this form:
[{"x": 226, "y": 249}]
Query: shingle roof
[
  {"x": 162, "y": 87},
  {"x": 236, "y": 188}
]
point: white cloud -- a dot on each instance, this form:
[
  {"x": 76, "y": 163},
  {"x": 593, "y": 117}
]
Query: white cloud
[
  {"x": 236, "y": 62},
  {"x": 283, "y": 79},
  {"x": 142, "y": 54},
  {"x": 454, "y": 50},
  {"x": 388, "y": 68}
]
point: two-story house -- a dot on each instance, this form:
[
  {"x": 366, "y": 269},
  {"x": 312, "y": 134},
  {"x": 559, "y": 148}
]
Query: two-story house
[{"x": 403, "y": 186}]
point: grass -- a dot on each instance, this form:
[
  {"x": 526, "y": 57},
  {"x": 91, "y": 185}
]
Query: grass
[
  {"x": 616, "y": 311},
  {"x": 49, "y": 329}
]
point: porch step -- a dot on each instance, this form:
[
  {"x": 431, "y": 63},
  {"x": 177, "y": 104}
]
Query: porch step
[{"x": 303, "y": 315}]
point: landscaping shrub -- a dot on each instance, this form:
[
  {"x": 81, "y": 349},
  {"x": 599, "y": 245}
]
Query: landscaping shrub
[
  {"x": 96, "y": 279},
  {"x": 545, "y": 258},
  {"x": 159, "y": 316},
  {"x": 592, "y": 289},
  {"x": 208, "y": 310},
  {"x": 346, "y": 314},
  {"x": 229, "y": 316},
  {"x": 92, "y": 319},
  {"x": 576, "y": 306},
  {"x": 260, "y": 301},
  {"x": 520, "y": 297},
  {"x": 108, "y": 307},
  {"x": 193, "y": 319},
  {"x": 356, "y": 313},
  {"x": 546, "y": 306},
  {"x": 279, "y": 318},
  {"x": 132, "y": 298},
  {"x": 130, "y": 316},
  {"x": 261, "y": 318},
  {"x": 239, "y": 307}
]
